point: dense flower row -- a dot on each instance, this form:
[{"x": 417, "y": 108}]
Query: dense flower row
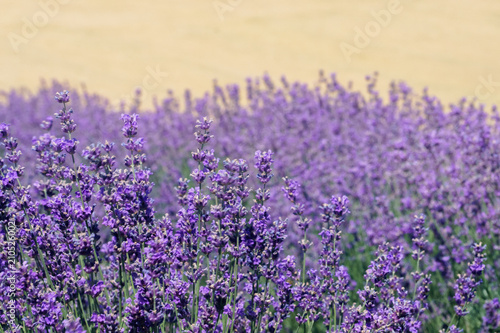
[{"x": 225, "y": 263}]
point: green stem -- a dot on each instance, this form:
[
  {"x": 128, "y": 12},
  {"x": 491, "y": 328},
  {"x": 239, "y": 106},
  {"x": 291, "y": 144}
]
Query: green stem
[
  {"x": 235, "y": 291},
  {"x": 451, "y": 321},
  {"x": 81, "y": 309},
  {"x": 304, "y": 259},
  {"x": 416, "y": 282},
  {"x": 120, "y": 306}
]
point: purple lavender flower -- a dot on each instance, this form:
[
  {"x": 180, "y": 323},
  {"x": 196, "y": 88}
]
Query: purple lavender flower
[
  {"x": 62, "y": 97},
  {"x": 4, "y": 130},
  {"x": 46, "y": 124},
  {"x": 492, "y": 318},
  {"x": 129, "y": 128},
  {"x": 263, "y": 162},
  {"x": 477, "y": 266}
]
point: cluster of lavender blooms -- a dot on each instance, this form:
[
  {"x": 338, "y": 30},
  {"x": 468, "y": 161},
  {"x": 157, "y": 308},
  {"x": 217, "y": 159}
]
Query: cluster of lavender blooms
[
  {"x": 218, "y": 268},
  {"x": 392, "y": 159}
]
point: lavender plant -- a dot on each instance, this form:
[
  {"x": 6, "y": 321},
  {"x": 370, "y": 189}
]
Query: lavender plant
[{"x": 94, "y": 252}]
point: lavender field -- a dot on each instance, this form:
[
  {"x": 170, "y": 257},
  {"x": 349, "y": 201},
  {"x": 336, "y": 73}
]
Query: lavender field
[{"x": 292, "y": 208}]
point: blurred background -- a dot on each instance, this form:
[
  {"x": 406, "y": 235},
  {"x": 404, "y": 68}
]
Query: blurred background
[{"x": 114, "y": 47}]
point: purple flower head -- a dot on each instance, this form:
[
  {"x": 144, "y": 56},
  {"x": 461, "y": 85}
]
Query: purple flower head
[
  {"x": 182, "y": 189},
  {"x": 67, "y": 124},
  {"x": 134, "y": 145},
  {"x": 223, "y": 178},
  {"x": 298, "y": 209},
  {"x": 203, "y": 124},
  {"x": 73, "y": 325},
  {"x": 4, "y": 130},
  {"x": 291, "y": 190},
  {"x": 369, "y": 297},
  {"x": 198, "y": 176},
  {"x": 420, "y": 243},
  {"x": 108, "y": 321},
  {"x": 387, "y": 262},
  {"x": 423, "y": 288},
  {"x": 340, "y": 206},
  {"x": 47, "y": 123},
  {"x": 263, "y": 163},
  {"x": 198, "y": 155},
  {"x": 14, "y": 156},
  {"x": 108, "y": 146},
  {"x": 70, "y": 146},
  {"x": 202, "y": 133},
  {"x": 10, "y": 143},
  {"x": 477, "y": 266},
  {"x": 62, "y": 97},
  {"x": 58, "y": 144},
  {"x": 242, "y": 166},
  {"x": 210, "y": 162},
  {"x": 129, "y": 128},
  {"x": 492, "y": 318},
  {"x": 465, "y": 291}
]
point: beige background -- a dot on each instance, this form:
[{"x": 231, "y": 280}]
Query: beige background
[{"x": 110, "y": 45}]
